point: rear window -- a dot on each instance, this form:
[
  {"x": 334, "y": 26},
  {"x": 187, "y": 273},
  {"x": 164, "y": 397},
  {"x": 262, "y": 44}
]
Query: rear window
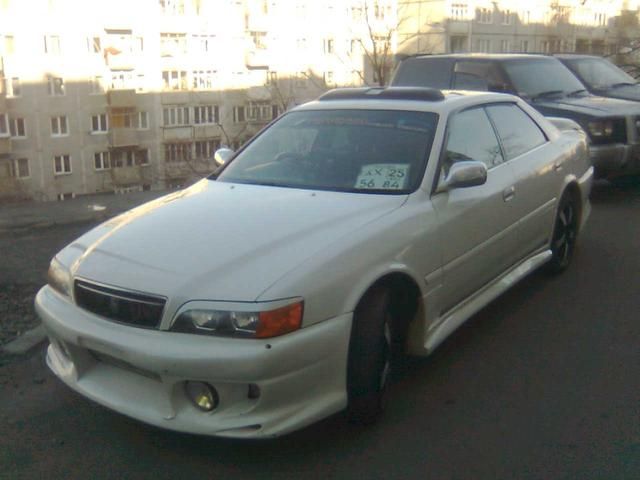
[{"x": 424, "y": 72}]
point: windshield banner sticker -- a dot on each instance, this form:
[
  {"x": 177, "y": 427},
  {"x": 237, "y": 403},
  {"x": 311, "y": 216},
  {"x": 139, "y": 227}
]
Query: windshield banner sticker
[{"x": 383, "y": 176}]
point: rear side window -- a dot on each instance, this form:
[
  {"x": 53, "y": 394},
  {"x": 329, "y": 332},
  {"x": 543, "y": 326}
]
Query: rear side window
[
  {"x": 471, "y": 137},
  {"x": 424, "y": 72},
  {"x": 518, "y": 132},
  {"x": 475, "y": 75}
]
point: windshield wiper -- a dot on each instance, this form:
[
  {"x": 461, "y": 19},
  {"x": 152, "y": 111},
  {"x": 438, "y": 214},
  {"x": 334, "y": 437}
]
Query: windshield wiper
[
  {"x": 548, "y": 93},
  {"x": 621, "y": 84},
  {"x": 577, "y": 93}
]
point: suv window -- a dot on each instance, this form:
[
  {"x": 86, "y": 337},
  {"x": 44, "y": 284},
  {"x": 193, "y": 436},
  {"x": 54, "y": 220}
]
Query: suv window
[
  {"x": 518, "y": 132},
  {"x": 434, "y": 73},
  {"x": 474, "y": 75},
  {"x": 471, "y": 137}
]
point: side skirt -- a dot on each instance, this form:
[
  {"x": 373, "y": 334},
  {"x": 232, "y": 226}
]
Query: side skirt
[{"x": 461, "y": 313}]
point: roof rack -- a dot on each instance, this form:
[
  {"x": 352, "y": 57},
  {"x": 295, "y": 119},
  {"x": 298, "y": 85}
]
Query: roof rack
[{"x": 382, "y": 93}]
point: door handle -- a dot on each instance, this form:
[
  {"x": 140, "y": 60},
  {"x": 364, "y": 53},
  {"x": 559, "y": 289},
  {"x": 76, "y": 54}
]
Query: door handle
[{"x": 509, "y": 193}]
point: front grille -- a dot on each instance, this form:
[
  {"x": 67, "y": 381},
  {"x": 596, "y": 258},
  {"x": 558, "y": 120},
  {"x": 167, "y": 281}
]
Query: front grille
[{"x": 132, "y": 308}]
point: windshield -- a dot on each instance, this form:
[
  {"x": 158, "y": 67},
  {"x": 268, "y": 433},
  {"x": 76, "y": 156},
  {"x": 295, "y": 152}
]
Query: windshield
[
  {"x": 531, "y": 77},
  {"x": 599, "y": 73},
  {"x": 365, "y": 151}
]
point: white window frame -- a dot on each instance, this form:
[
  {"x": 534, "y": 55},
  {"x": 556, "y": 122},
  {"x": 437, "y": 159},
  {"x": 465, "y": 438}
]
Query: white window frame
[
  {"x": 101, "y": 121},
  {"x": 175, "y": 116},
  {"x": 101, "y": 161},
  {"x": 143, "y": 121},
  {"x": 61, "y": 128},
  {"x": 55, "y": 86},
  {"x": 507, "y": 16},
  {"x": 485, "y": 16},
  {"x": 238, "y": 112},
  {"x": 16, "y": 168},
  {"x": 97, "y": 87},
  {"x": 175, "y": 80},
  {"x": 52, "y": 44},
  {"x": 505, "y": 46},
  {"x": 5, "y": 129},
  {"x": 203, "y": 79},
  {"x": 205, "y": 149},
  {"x": 177, "y": 152},
  {"x": 206, "y": 114},
  {"x": 65, "y": 165},
  {"x": 18, "y": 127}
]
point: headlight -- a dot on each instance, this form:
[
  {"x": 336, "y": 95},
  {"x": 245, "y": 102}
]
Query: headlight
[
  {"x": 600, "y": 128},
  {"x": 59, "y": 278},
  {"x": 258, "y": 324}
]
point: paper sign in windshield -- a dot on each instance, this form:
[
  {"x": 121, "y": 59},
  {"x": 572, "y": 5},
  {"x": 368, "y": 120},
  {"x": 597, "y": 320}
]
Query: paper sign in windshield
[{"x": 383, "y": 176}]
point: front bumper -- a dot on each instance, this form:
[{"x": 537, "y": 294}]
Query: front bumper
[
  {"x": 141, "y": 373},
  {"x": 615, "y": 160}
]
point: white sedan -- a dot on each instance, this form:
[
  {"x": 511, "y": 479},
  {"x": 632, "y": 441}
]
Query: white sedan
[{"x": 369, "y": 223}]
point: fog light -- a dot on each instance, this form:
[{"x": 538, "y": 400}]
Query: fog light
[{"x": 202, "y": 395}]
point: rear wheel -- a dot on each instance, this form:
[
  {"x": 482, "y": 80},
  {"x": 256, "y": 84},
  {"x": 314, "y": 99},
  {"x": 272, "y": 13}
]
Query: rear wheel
[
  {"x": 565, "y": 234},
  {"x": 370, "y": 350}
]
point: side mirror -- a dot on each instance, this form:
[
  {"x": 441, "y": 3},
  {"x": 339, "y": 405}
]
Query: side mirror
[
  {"x": 468, "y": 173},
  {"x": 222, "y": 156}
]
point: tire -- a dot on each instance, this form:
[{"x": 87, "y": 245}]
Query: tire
[
  {"x": 370, "y": 349},
  {"x": 565, "y": 234}
]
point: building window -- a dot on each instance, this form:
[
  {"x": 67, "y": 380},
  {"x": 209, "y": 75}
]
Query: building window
[
  {"x": 172, "y": 7},
  {"x": 328, "y": 77},
  {"x": 96, "y": 86},
  {"x": 203, "y": 43},
  {"x": 524, "y": 46},
  {"x": 206, "y": 148},
  {"x": 17, "y": 128},
  {"x": 55, "y": 86},
  {"x": 238, "y": 114},
  {"x": 173, "y": 44},
  {"x": 20, "y": 168},
  {"x": 505, "y": 46},
  {"x": 174, "y": 80},
  {"x": 99, "y": 123},
  {"x": 12, "y": 86},
  {"x": 175, "y": 116},
  {"x": 203, "y": 79},
  {"x": 7, "y": 45},
  {"x": 459, "y": 11},
  {"x": 259, "y": 40},
  {"x": 52, "y": 44},
  {"x": 484, "y": 15},
  {"x": 94, "y": 45},
  {"x": 143, "y": 120},
  {"x": 506, "y": 17},
  {"x": 483, "y": 45},
  {"x": 205, "y": 114},
  {"x": 260, "y": 111},
  {"x": 329, "y": 46},
  {"x": 62, "y": 164},
  {"x": 59, "y": 126},
  {"x": 101, "y": 160},
  {"x": 271, "y": 78},
  {"x": 142, "y": 156},
  {"x": 4, "y": 125},
  {"x": 459, "y": 44},
  {"x": 177, "y": 152},
  {"x": 122, "y": 79}
]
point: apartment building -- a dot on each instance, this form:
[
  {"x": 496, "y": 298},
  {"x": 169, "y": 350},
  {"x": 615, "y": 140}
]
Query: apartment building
[
  {"x": 128, "y": 95},
  {"x": 508, "y": 26}
]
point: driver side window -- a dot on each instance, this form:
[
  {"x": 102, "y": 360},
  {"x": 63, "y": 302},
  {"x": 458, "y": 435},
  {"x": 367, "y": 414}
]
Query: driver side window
[{"x": 471, "y": 137}]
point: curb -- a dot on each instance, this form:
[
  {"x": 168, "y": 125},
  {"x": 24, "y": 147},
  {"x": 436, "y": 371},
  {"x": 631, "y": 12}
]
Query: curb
[{"x": 25, "y": 342}]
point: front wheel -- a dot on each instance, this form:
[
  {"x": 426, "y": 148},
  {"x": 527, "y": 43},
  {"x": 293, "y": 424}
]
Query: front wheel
[
  {"x": 369, "y": 356},
  {"x": 565, "y": 234}
]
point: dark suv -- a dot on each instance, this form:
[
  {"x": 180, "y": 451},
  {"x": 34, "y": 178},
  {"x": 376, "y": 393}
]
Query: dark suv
[{"x": 544, "y": 82}]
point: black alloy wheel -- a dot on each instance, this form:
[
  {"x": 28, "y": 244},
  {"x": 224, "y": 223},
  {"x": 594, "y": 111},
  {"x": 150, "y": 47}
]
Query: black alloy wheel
[{"x": 565, "y": 234}]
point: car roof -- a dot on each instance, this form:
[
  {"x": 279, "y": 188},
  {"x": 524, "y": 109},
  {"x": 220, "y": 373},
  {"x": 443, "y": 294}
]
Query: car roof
[
  {"x": 403, "y": 98},
  {"x": 569, "y": 56},
  {"x": 483, "y": 56}
]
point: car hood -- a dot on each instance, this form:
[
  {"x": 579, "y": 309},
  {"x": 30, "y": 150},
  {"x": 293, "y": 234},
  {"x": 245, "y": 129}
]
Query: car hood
[
  {"x": 588, "y": 105},
  {"x": 219, "y": 241},
  {"x": 627, "y": 92}
]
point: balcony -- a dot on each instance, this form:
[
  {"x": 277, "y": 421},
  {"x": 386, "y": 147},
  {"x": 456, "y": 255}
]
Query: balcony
[
  {"x": 257, "y": 59},
  {"x": 122, "y": 98},
  {"x": 127, "y": 176},
  {"x": 5, "y": 146},
  {"x": 123, "y": 137}
]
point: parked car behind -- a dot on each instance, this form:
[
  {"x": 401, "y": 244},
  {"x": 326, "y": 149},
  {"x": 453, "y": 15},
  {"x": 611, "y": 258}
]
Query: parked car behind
[
  {"x": 367, "y": 224},
  {"x": 601, "y": 77},
  {"x": 547, "y": 85}
]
